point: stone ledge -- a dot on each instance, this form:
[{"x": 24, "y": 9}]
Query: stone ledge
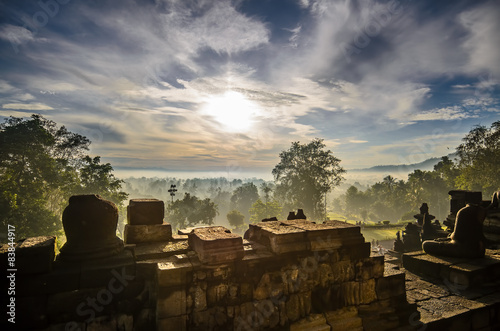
[
  {"x": 302, "y": 235},
  {"x": 461, "y": 272}
]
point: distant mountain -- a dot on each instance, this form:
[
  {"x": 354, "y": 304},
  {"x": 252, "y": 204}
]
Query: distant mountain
[{"x": 425, "y": 165}]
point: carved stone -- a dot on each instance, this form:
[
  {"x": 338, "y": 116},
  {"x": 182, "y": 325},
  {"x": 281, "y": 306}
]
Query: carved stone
[
  {"x": 90, "y": 226},
  {"x": 467, "y": 239}
]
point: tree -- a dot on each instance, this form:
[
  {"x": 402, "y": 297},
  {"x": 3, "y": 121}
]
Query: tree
[
  {"x": 191, "y": 211},
  {"x": 479, "y": 157},
  {"x": 354, "y": 201},
  {"x": 97, "y": 178},
  {"x": 41, "y": 166},
  {"x": 37, "y": 173},
  {"x": 305, "y": 173},
  {"x": 235, "y": 219},
  {"x": 243, "y": 197},
  {"x": 261, "y": 210}
]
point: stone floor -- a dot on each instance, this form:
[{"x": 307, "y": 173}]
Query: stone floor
[{"x": 444, "y": 305}]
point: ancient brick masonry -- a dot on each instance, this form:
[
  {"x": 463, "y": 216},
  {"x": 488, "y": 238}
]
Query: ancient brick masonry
[
  {"x": 287, "y": 275},
  {"x": 293, "y": 275}
]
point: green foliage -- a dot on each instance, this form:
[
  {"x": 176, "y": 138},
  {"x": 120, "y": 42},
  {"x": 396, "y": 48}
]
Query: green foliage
[
  {"x": 479, "y": 157},
  {"x": 235, "y": 218},
  {"x": 191, "y": 211},
  {"x": 40, "y": 168},
  {"x": 305, "y": 173},
  {"x": 97, "y": 178},
  {"x": 243, "y": 197},
  {"x": 261, "y": 210}
]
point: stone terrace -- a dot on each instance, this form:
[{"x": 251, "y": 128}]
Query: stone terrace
[{"x": 289, "y": 275}]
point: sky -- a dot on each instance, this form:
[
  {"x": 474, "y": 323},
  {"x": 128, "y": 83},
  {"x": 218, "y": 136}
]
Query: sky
[{"x": 221, "y": 87}]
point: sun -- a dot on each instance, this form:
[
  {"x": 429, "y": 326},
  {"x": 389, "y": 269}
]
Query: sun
[{"x": 234, "y": 111}]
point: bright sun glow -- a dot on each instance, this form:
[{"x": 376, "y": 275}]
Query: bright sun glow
[{"x": 233, "y": 110}]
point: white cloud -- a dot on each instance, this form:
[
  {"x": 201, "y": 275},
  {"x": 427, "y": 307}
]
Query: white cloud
[
  {"x": 443, "y": 114},
  {"x": 16, "y": 35},
  {"x": 482, "y": 43},
  {"x": 27, "y": 106}
]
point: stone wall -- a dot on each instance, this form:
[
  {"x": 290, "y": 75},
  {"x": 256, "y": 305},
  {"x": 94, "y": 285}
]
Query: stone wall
[{"x": 286, "y": 275}]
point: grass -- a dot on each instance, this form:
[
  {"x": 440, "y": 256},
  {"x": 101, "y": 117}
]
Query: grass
[{"x": 372, "y": 233}]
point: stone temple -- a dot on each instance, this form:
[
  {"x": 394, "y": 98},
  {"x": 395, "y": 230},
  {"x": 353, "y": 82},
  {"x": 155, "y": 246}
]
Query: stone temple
[{"x": 291, "y": 274}]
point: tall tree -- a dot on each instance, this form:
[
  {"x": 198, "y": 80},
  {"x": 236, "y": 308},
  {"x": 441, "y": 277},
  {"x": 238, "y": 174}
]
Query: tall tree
[
  {"x": 479, "y": 157},
  {"x": 261, "y": 210},
  {"x": 305, "y": 173},
  {"x": 243, "y": 198},
  {"x": 190, "y": 211},
  {"x": 40, "y": 168}
]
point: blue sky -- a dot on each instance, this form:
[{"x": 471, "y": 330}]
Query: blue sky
[{"x": 224, "y": 86}]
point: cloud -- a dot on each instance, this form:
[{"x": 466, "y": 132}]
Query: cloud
[
  {"x": 27, "y": 106},
  {"x": 16, "y": 35},
  {"x": 482, "y": 43},
  {"x": 443, "y": 114}
]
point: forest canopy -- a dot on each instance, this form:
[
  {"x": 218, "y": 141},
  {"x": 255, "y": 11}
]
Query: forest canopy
[{"x": 41, "y": 166}]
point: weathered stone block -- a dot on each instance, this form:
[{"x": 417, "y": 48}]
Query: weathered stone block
[
  {"x": 145, "y": 211},
  {"x": 174, "y": 272},
  {"x": 313, "y": 322},
  {"x": 136, "y": 234},
  {"x": 178, "y": 323},
  {"x": 171, "y": 302},
  {"x": 97, "y": 273},
  {"x": 350, "y": 293},
  {"x": 279, "y": 237},
  {"x": 216, "y": 245},
  {"x": 216, "y": 294},
  {"x": 35, "y": 255},
  {"x": 343, "y": 271},
  {"x": 344, "y": 319},
  {"x": 367, "y": 293}
]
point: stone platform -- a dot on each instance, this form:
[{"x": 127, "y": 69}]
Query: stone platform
[
  {"x": 461, "y": 272},
  {"x": 443, "y": 305}
]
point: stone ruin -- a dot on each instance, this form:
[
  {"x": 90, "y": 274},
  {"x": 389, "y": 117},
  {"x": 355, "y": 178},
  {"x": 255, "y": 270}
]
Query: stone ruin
[{"x": 288, "y": 275}]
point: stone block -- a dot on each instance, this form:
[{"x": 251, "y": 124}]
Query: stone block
[
  {"x": 174, "y": 272},
  {"x": 145, "y": 212},
  {"x": 178, "y": 323},
  {"x": 35, "y": 255},
  {"x": 313, "y": 322},
  {"x": 350, "y": 293},
  {"x": 279, "y": 237},
  {"x": 216, "y": 294},
  {"x": 216, "y": 245},
  {"x": 344, "y": 319},
  {"x": 160, "y": 250},
  {"x": 100, "y": 272},
  {"x": 136, "y": 234},
  {"x": 367, "y": 291},
  {"x": 343, "y": 271},
  {"x": 171, "y": 302}
]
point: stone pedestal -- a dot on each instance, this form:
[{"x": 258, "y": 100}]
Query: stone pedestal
[
  {"x": 461, "y": 272},
  {"x": 90, "y": 226},
  {"x": 216, "y": 245}
]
